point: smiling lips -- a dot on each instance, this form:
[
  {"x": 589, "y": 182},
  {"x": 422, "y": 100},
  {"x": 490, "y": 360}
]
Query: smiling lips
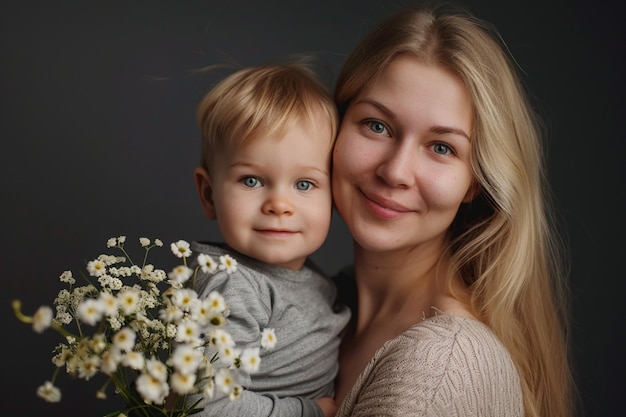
[
  {"x": 278, "y": 233},
  {"x": 384, "y": 208}
]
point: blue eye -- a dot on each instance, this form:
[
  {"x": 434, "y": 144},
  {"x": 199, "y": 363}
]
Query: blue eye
[
  {"x": 250, "y": 182},
  {"x": 442, "y": 149},
  {"x": 304, "y": 185},
  {"x": 377, "y": 127}
]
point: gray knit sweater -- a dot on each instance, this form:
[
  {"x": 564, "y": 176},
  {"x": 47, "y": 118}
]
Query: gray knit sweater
[
  {"x": 301, "y": 307},
  {"x": 445, "y": 366}
]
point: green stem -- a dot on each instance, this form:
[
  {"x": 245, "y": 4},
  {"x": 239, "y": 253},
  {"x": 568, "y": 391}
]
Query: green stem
[
  {"x": 54, "y": 375},
  {"x": 17, "y": 309}
]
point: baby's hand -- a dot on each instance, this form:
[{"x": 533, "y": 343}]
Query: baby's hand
[{"x": 327, "y": 405}]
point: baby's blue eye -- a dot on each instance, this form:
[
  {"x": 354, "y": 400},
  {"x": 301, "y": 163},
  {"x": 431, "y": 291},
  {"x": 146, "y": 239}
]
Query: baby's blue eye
[
  {"x": 250, "y": 182},
  {"x": 442, "y": 149},
  {"x": 304, "y": 185}
]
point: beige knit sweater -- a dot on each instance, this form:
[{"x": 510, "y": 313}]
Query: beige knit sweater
[{"x": 444, "y": 366}]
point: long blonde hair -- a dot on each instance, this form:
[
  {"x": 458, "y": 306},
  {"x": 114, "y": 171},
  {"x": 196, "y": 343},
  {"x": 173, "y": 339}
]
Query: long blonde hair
[{"x": 504, "y": 244}]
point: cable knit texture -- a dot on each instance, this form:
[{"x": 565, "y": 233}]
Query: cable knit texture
[{"x": 444, "y": 366}]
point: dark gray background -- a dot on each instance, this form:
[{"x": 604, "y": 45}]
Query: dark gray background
[{"x": 99, "y": 139}]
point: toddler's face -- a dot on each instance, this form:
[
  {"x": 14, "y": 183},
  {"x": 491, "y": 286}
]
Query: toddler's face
[{"x": 272, "y": 197}]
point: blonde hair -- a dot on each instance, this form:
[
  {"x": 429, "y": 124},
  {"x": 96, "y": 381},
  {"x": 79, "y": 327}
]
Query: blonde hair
[
  {"x": 504, "y": 244},
  {"x": 262, "y": 101}
]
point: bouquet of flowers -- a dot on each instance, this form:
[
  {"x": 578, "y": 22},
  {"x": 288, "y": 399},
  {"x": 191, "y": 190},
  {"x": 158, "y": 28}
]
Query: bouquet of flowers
[{"x": 157, "y": 342}]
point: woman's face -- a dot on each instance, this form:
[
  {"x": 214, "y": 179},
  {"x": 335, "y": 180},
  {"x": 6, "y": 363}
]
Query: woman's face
[{"x": 402, "y": 158}]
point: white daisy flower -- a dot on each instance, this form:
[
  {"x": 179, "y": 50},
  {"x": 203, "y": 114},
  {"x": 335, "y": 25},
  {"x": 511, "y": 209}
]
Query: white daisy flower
[
  {"x": 224, "y": 380},
  {"x": 181, "y": 249},
  {"x": 182, "y": 383},
  {"x": 219, "y": 338},
  {"x": 96, "y": 268},
  {"x": 124, "y": 340},
  {"x": 98, "y": 343},
  {"x": 133, "y": 359},
  {"x": 61, "y": 358},
  {"x": 188, "y": 332},
  {"x": 143, "y": 241},
  {"x": 185, "y": 299},
  {"x": 128, "y": 301},
  {"x": 180, "y": 274},
  {"x": 49, "y": 392},
  {"x": 171, "y": 314},
  {"x": 109, "y": 303},
  {"x": 186, "y": 359},
  {"x": 268, "y": 338},
  {"x": 216, "y": 302},
  {"x": 42, "y": 319},
  {"x": 152, "y": 389},
  {"x": 201, "y": 312},
  {"x": 110, "y": 360},
  {"x": 88, "y": 367},
  {"x": 207, "y": 264},
  {"x": 250, "y": 360},
  {"x": 228, "y": 263},
  {"x": 228, "y": 355},
  {"x": 156, "y": 369},
  {"x": 90, "y": 311}
]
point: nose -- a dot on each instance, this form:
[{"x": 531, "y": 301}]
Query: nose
[
  {"x": 278, "y": 203},
  {"x": 398, "y": 168}
]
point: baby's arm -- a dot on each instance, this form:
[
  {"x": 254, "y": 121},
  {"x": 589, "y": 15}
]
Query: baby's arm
[
  {"x": 252, "y": 404},
  {"x": 245, "y": 323}
]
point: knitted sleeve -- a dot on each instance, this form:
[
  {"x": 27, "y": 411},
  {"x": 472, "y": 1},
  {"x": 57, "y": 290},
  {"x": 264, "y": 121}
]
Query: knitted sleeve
[{"x": 446, "y": 366}]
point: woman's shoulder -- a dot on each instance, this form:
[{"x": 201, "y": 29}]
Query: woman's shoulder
[
  {"x": 447, "y": 363},
  {"x": 449, "y": 330},
  {"x": 460, "y": 343}
]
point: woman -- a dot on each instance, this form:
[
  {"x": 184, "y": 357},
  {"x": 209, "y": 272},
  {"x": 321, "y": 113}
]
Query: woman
[{"x": 438, "y": 174}]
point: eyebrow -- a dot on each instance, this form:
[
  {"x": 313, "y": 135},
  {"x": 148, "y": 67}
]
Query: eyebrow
[
  {"x": 256, "y": 166},
  {"x": 446, "y": 129},
  {"x": 435, "y": 129}
]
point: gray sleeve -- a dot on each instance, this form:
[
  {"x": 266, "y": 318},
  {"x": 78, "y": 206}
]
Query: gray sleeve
[
  {"x": 251, "y": 404},
  {"x": 250, "y": 309}
]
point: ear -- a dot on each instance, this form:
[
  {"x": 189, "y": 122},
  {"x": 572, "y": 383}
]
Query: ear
[
  {"x": 472, "y": 192},
  {"x": 205, "y": 191}
]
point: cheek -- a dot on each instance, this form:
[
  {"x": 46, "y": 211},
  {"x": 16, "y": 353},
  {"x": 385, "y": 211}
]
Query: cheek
[
  {"x": 341, "y": 170},
  {"x": 320, "y": 221},
  {"x": 233, "y": 206},
  {"x": 351, "y": 158},
  {"x": 445, "y": 189}
]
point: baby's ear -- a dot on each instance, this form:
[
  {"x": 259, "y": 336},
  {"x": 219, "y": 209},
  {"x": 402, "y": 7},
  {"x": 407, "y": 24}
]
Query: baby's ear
[{"x": 205, "y": 191}]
